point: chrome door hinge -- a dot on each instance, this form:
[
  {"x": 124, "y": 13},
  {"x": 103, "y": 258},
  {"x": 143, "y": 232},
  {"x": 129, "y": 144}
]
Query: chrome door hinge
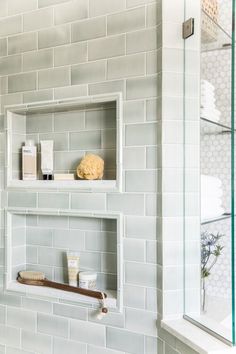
[{"x": 188, "y": 28}]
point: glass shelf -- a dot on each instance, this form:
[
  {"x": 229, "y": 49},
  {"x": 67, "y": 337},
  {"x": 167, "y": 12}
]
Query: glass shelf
[
  {"x": 214, "y": 37},
  {"x": 219, "y": 218},
  {"x": 211, "y": 127}
]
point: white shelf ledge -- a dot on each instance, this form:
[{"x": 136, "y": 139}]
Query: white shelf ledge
[
  {"x": 195, "y": 338},
  {"x": 69, "y": 185},
  {"x": 111, "y": 301}
]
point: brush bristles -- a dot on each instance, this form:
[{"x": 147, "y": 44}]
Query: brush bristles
[{"x": 31, "y": 275}]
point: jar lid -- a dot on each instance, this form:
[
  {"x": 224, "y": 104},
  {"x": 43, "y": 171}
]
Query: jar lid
[{"x": 87, "y": 276}]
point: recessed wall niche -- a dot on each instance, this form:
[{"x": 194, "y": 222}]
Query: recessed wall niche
[
  {"x": 77, "y": 126},
  {"x": 39, "y": 240}
]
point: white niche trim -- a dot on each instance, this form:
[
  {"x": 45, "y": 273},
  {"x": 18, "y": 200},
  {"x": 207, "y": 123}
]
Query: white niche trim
[
  {"x": 114, "y": 297},
  {"x": 17, "y": 113}
]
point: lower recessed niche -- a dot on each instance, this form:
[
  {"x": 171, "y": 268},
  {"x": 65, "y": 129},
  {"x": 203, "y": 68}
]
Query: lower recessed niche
[{"x": 39, "y": 240}]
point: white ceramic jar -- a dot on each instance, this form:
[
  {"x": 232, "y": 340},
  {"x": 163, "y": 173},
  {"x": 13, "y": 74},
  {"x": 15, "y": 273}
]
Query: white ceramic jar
[{"x": 88, "y": 280}]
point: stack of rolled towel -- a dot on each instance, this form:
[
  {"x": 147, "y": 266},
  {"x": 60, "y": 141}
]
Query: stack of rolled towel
[
  {"x": 208, "y": 102},
  {"x": 211, "y": 197}
]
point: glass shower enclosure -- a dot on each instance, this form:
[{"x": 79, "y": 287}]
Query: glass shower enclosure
[{"x": 209, "y": 178}]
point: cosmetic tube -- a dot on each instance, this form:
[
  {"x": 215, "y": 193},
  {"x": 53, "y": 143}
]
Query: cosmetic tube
[
  {"x": 47, "y": 159},
  {"x": 73, "y": 267}
]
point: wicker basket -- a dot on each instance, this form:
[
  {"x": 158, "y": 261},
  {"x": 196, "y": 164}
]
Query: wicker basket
[{"x": 210, "y": 16}]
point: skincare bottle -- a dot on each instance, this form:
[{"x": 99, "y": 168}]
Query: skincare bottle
[
  {"x": 29, "y": 161},
  {"x": 73, "y": 267},
  {"x": 47, "y": 159}
]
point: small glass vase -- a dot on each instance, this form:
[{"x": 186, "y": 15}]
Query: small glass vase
[{"x": 203, "y": 294}]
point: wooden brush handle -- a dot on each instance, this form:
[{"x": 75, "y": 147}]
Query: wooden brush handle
[
  {"x": 65, "y": 287},
  {"x": 73, "y": 289}
]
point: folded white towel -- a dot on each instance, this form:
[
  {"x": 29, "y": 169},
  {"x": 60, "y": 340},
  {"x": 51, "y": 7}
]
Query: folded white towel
[
  {"x": 207, "y": 84},
  {"x": 211, "y": 182}
]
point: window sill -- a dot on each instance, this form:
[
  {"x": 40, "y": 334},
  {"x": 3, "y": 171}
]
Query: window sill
[{"x": 195, "y": 338}]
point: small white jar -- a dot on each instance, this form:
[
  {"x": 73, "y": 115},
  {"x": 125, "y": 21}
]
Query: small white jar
[{"x": 88, "y": 280}]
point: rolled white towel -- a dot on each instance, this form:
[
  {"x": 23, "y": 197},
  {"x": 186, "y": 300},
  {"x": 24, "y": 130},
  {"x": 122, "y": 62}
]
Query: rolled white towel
[
  {"x": 207, "y": 84},
  {"x": 210, "y": 181}
]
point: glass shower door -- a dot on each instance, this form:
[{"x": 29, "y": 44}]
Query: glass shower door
[{"x": 209, "y": 231}]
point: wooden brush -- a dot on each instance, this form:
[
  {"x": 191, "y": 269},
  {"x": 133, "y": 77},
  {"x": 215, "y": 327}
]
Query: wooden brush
[{"x": 39, "y": 279}]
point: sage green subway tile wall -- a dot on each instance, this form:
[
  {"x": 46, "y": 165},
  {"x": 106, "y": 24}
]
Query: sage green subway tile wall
[{"x": 56, "y": 49}]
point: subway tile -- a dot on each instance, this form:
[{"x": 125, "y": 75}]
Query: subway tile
[
  {"x": 131, "y": 65},
  {"x": 101, "y": 241},
  {"x": 152, "y": 251},
  {"x": 36, "y": 342},
  {"x": 153, "y": 300},
  {"x": 87, "y": 332},
  {"x": 142, "y": 274},
  {"x": 95, "y": 201},
  {"x": 124, "y": 340},
  {"x": 151, "y": 204},
  {"x": 83, "y": 223},
  {"x": 106, "y": 47},
  {"x": 16, "y": 7},
  {"x": 10, "y": 64},
  {"x": 2, "y": 315},
  {"x": 71, "y": 91},
  {"x": 10, "y": 300},
  {"x": 108, "y": 139},
  {"x": 134, "y": 158},
  {"x": 62, "y": 346},
  {"x": 9, "y": 335},
  {"x": 134, "y": 296},
  {"x": 170, "y": 350},
  {"x": 31, "y": 254},
  {"x": 87, "y": 73},
  {"x": 100, "y": 119},
  {"x": 154, "y": 15},
  {"x": 36, "y": 305},
  {"x": 153, "y": 345},
  {"x": 71, "y": 11},
  {"x": 70, "y": 54},
  {"x": 21, "y": 199},
  {"x": 152, "y": 158},
  {"x": 133, "y": 111},
  {"x": 105, "y": 6},
  {"x": 142, "y": 87},
  {"x": 53, "y": 325},
  {"x": 73, "y": 119},
  {"x": 21, "y": 318},
  {"x": 51, "y": 256},
  {"x": 143, "y": 41},
  {"x": 11, "y": 350},
  {"x": 126, "y": 21},
  {"x": 36, "y": 96},
  {"x": 72, "y": 239},
  {"x": 109, "y": 263},
  {"x": 3, "y": 47},
  {"x": 39, "y": 123},
  {"x": 153, "y": 110},
  {"x": 38, "y": 60},
  {"x": 65, "y": 161},
  {"x": 54, "y": 77},
  {"x": 107, "y": 87},
  {"x": 53, "y": 37},
  {"x": 46, "y": 3},
  {"x": 22, "y": 43},
  {"x": 90, "y": 261},
  {"x": 134, "y": 3},
  {"x": 129, "y": 204},
  {"x": 53, "y": 200},
  {"x": 96, "y": 350},
  {"x": 141, "y": 227},
  {"x": 154, "y": 62},
  {"x": 86, "y": 140},
  {"x": 75, "y": 312},
  {"x": 88, "y": 29},
  {"x": 141, "y": 134},
  {"x": 140, "y": 181},
  {"x": 10, "y": 25},
  {"x": 39, "y": 236},
  {"x": 3, "y": 8},
  {"x": 38, "y": 19},
  {"x": 148, "y": 325},
  {"x": 134, "y": 250},
  {"x": 22, "y": 82}
]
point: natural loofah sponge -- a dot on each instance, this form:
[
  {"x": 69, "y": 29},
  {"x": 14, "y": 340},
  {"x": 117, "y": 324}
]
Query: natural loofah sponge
[{"x": 91, "y": 167}]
